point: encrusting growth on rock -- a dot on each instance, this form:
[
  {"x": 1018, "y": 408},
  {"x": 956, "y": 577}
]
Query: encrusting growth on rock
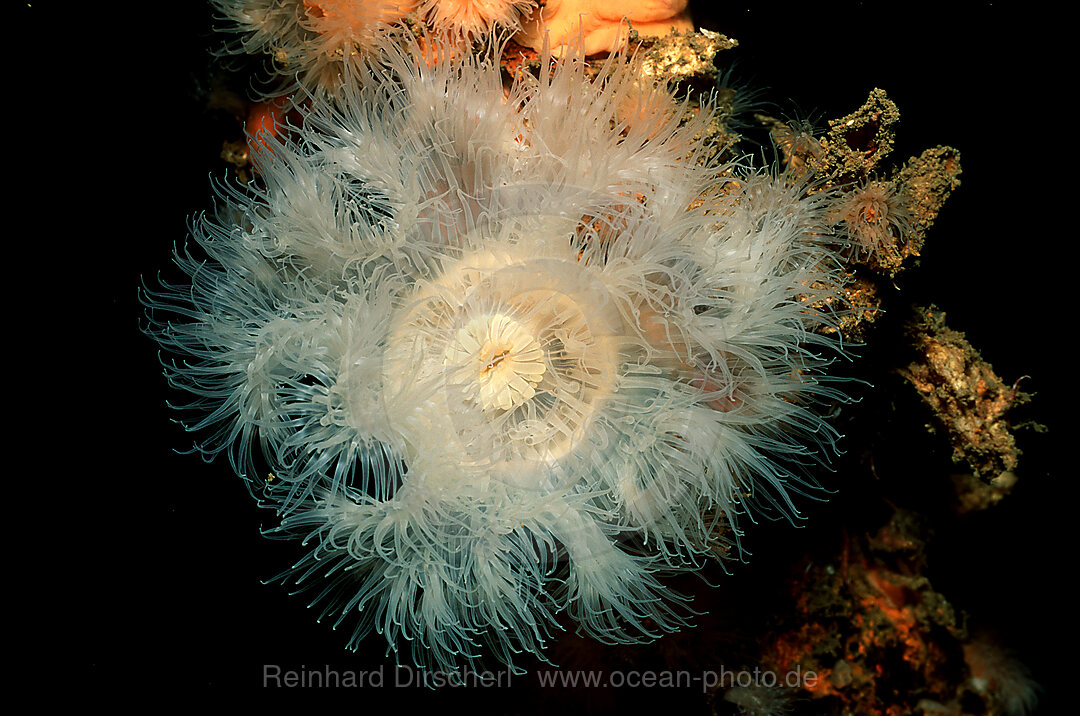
[{"x": 968, "y": 400}]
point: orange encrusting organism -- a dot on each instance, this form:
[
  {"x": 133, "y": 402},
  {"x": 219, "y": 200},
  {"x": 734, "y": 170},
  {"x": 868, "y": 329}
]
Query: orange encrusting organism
[{"x": 601, "y": 26}]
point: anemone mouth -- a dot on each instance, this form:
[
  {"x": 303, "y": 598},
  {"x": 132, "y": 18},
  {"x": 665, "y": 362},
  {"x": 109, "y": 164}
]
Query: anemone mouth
[
  {"x": 505, "y": 362},
  {"x": 499, "y": 361}
]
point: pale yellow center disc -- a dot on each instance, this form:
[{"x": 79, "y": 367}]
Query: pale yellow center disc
[{"x": 497, "y": 360}]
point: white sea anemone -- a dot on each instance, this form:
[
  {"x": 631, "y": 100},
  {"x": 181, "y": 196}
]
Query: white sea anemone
[{"x": 507, "y": 353}]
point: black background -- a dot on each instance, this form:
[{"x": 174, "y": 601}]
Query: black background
[{"x": 159, "y": 585}]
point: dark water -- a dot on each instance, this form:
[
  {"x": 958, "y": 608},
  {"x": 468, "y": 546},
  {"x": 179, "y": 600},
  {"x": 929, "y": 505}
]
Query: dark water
[{"x": 179, "y": 563}]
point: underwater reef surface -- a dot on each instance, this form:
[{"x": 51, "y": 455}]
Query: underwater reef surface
[{"x": 923, "y": 585}]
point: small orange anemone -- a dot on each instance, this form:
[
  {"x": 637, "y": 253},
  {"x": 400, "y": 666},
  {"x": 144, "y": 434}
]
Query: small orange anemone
[{"x": 473, "y": 18}]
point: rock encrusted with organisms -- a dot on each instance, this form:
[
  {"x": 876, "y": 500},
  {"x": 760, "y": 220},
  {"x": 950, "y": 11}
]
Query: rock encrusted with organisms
[
  {"x": 852, "y": 147},
  {"x": 927, "y": 181},
  {"x": 969, "y": 402},
  {"x": 879, "y": 639},
  {"x": 683, "y": 56},
  {"x": 866, "y": 623},
  {"x": 883, "y": 213}
]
